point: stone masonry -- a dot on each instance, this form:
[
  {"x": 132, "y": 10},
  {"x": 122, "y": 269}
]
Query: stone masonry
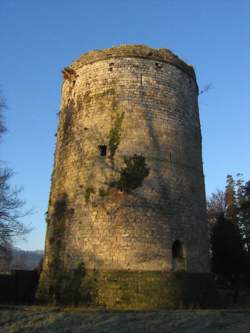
[{"x": 145, "y": 100}]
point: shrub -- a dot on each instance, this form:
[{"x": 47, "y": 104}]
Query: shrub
[{"x": 133, "y": 174}]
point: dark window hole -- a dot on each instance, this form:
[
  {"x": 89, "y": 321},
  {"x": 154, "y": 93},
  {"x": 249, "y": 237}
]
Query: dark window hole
[
  {"x": 177, "y": 250},
  {"x": 102, "y": 150},
  {"x": 178, "y": 254}
]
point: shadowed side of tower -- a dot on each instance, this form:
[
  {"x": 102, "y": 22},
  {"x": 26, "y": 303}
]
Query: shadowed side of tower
[{"x": 127, "y": 203}]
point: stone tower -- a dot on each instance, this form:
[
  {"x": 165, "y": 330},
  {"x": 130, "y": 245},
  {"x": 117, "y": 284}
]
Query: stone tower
[{"x": 127, "y": 191}]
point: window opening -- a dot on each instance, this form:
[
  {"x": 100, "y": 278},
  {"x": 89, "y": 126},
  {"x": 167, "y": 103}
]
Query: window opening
[
  {"x": 102, "y": 150},
  {"x": 178, "y": 255}
]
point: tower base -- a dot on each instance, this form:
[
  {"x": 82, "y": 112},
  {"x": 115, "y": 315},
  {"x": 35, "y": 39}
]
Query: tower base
[{"x": 135, "y": 290}]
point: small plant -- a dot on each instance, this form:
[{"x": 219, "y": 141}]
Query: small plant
[
  {"x": 103, "y": 192},
  {"x": 115, "y": 134},
  {"x": 133, "y": 174},
  {"x": 89, "y": 190}
]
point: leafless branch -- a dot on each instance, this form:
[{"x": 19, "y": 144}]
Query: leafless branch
[{"x": 206, "y": 88}]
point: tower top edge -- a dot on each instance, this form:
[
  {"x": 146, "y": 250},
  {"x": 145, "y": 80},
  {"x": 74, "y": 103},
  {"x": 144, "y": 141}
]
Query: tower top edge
[{"x": 133, "y": 51}]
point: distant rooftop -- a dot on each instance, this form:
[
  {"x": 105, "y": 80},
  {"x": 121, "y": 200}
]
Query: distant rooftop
[{"x": 133, "y": 51}]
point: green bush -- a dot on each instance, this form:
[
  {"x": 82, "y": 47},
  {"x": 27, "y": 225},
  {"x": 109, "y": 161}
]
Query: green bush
[{"x": 133, "y": 174}]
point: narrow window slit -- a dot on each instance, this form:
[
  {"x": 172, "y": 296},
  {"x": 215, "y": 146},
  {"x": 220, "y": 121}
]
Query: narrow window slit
[{"x": 102, "y": 150}]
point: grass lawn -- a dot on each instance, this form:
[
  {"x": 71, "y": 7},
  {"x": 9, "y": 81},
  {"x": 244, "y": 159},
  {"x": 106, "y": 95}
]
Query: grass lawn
[{"x": 34, "y": 319}]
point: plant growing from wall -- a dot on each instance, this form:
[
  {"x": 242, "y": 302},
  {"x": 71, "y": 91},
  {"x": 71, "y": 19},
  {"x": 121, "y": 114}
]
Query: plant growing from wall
[
  {"x": 103, "y": 192},
  {"x": 89, "y": 190},
  {"x": 56, "y": 265},
  {"x": 67, "y": 121},
  {"x": 115, "y": 134},
  {"x": 133, "y": 174}
]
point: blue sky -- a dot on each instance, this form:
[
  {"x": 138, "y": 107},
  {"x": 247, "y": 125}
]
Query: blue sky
[{"x": 40, "y": 38}]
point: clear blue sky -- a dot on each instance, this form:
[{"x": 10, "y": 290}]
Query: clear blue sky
[{"x": 40, "y": 38}]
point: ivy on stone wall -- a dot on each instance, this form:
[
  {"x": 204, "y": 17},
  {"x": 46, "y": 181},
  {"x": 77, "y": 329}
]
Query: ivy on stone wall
[
  {"x": 103, "y": 192},
  {"x": 56, "y": 246},
  {"x": 133, "y": 174},
  {"x": 89, "y": 190},
  {"x": 60, "y": 207},
  {"x": 67, "y": 121},
  {"x": 115, "y": 134}
]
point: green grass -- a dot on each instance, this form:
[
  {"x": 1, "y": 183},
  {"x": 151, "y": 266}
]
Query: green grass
[{"x": 34, "y": 319}]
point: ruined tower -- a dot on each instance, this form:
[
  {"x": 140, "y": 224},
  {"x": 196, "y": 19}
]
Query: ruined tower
[{"x": 127, "y": 196}]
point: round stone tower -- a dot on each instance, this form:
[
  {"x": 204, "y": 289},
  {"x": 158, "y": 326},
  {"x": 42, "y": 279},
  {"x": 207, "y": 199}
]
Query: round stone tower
[{"x": 127, "y": 197}]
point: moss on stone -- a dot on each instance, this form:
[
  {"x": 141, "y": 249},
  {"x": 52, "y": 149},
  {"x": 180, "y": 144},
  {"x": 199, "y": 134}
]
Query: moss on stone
[
  {"x": 153, "y": 290},
  {"x": 137, "y": 290},
  {"x": 67, "y": 122}
]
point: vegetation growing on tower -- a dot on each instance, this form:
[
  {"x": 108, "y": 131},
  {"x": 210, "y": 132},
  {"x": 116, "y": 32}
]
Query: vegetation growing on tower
[
  {"x": 133, "y": 174},
  {"x": 115, "y": 134}
]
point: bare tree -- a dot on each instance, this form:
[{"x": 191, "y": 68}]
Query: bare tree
[
  {"x": 5, "y": 258},
  {"x": 2, "y": 107},
  {"x": 216, "y": 205},
  {"x": 10, "y": 210},
  {"x": 11, "y": 207},
  {"x": 206, "y": 88}
]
